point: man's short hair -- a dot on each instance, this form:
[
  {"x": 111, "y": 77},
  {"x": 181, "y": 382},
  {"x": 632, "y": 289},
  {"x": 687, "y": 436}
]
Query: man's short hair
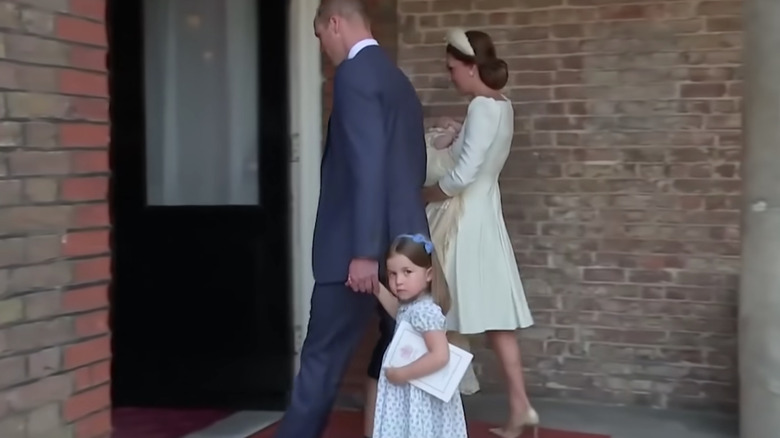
[{"x": 343, "y": 8}]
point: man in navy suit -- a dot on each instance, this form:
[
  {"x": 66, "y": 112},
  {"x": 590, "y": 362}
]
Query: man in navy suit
[{"x": 373, "y": 170}]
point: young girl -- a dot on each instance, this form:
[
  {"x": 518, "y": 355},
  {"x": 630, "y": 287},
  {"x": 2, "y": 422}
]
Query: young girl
[{"x": 420, "y": 297}]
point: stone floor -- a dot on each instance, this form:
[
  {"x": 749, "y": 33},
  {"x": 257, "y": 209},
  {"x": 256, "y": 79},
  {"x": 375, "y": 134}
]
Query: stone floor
[{"x": 617, "y": 422}]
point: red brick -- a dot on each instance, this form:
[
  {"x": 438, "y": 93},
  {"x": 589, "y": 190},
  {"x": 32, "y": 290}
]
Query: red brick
[
  {"x": 630, "y": 12},
  {"x": 91, "y": 270},
  {"x": 83, "y": 83},
  {"x": 92, "y": 375},
  {"x": 719, "y": 7},
  {"x": 89, "y": 162},
  {"x": 88, "y": 298},
  {"x": 92, "y": 324},
  {"x": 703, "y": 90},
  {"x": 95, "y": 426},
  {"x": 87, "y": 402},
  {"x": 88, "y": 58},
  {"x": 85, "y": 243},
  {"x": 91, "y": 215},
  {"x": 95, "y": 110},
  {"x": 93, "y": 9},
  {"x": 80, "y": 31},
  {"x": 83, "y": 135},
  {"x": 87, "y": 352},
  {"x": 724, "y": 24},
  {"x": 85, "y": 189},
  {"x": 649, "y": 276}
]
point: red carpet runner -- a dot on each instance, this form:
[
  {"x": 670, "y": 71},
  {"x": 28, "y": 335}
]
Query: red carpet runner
[
  {"x": 345, "y": 424},
  {"x": 162, "y": 423}
]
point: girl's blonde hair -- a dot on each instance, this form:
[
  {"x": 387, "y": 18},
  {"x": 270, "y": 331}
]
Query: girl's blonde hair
[{"x": 419, "y": 250}]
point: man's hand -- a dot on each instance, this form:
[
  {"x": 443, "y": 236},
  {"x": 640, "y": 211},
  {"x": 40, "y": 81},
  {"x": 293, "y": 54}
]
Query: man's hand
[{"x": 363, "y": 276}]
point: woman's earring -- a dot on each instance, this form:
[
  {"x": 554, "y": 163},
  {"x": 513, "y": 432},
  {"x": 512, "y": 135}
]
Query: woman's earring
[{"x": 471, "y": 73}]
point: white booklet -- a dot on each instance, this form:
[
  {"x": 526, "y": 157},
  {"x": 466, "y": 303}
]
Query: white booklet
[{"x": 408, "y": 345}]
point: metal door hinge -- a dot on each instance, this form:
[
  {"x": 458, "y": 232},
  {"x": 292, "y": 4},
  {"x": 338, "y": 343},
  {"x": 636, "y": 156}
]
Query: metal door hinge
[
  {"x": 298, "y": 338},
  {"x": 295, "y": 147}
]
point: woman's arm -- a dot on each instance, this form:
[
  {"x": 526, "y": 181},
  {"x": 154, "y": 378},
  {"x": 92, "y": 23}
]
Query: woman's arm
[
  {"x": 388, "y": 300},
  {"x": 436, "y": 358},
  {"x": 479, "y": 130}
]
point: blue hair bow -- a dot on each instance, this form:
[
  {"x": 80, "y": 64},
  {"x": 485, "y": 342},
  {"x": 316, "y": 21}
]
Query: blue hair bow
[{"x": 419, "y": 238}]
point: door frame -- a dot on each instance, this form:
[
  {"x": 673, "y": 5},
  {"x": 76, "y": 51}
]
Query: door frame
[{"x": 305, "y": 91}]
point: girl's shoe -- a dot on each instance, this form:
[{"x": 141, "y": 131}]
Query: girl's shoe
[{"x": 530, "y": 419}]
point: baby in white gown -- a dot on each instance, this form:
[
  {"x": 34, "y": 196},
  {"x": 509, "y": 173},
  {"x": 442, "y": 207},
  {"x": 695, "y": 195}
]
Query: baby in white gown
[
  {"x": 438, "y": 140},
  {"x": 443, "y": 217}
]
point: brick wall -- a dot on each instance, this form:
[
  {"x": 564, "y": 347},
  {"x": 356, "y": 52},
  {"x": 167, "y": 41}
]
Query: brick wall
[
  {"x": 54, "y": 265},
  {"x": 622, "y": 190}
]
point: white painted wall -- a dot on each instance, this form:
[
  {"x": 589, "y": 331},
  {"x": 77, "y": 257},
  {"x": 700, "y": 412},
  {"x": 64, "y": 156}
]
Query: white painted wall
[{"x": 306, "y": 129}]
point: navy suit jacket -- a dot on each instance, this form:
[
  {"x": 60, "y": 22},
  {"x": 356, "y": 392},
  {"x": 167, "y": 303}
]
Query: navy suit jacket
[{"x": 373, "y": 166}]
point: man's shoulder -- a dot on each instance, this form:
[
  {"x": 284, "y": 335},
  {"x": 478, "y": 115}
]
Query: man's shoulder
[
  {"x": 372, "y": 69},
  {"x": 371, "y": 59},
  {"x": 354, "y": 72},
  {"x": 370, "y": 55}
]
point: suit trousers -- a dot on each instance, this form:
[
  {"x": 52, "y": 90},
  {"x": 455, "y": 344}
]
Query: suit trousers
[{"x": 337, "y": 323}]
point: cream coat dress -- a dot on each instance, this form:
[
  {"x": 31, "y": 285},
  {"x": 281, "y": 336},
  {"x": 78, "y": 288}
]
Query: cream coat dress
[{"x": 478, "y": 259}]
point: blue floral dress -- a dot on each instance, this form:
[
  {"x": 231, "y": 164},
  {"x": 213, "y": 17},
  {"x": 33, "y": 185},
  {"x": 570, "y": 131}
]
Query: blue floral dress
[{"x": 404, "y": 411}]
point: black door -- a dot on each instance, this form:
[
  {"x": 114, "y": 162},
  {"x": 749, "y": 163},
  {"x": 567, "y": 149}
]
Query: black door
[{"x": 201, "y": 312}]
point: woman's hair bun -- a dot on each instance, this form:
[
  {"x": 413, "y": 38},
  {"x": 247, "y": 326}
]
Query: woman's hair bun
[{"x": 494, "y": 73}]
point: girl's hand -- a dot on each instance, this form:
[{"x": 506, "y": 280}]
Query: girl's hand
[{"x": 396, "y": 376}]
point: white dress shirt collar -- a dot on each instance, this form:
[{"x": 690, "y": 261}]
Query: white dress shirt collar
[{"x": 362, "y": 44}]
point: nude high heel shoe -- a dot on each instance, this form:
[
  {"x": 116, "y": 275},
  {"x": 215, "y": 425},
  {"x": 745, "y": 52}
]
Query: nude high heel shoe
[{"x": 530, "y": 419}]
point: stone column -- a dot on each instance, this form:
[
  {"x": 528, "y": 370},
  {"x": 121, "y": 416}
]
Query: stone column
[{"x": 759, "y": 295}]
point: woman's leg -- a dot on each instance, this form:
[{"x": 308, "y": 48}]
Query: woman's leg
[{"x": 507, "y": 350}]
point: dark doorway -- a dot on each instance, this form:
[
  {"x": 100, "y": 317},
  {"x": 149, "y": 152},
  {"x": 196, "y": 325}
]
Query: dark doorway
[{"x": 201, "y": 310}]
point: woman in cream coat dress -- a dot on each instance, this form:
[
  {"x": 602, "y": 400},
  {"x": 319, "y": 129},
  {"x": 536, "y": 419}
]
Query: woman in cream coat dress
[{"x": 479, "y": 260}]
